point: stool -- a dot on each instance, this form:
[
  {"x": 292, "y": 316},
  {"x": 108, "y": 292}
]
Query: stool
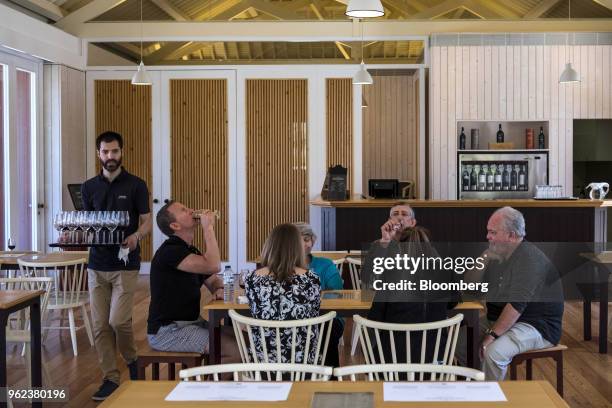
[
  {"x": 148, "y": 356},
  {"x": 556, "y": 353}
]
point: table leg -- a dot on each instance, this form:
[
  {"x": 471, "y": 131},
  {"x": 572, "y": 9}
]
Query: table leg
[
  {"x": 3, "y": 320},
  {"x": 214, "y": 336},
  {"x": 586, "y": 317},
  {"x": 603, "y": 312},
  {"x": 35, "y": 344}
]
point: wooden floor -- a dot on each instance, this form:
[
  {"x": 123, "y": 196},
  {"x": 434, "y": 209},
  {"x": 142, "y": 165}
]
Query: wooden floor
[{"x": 588, "y": 375}]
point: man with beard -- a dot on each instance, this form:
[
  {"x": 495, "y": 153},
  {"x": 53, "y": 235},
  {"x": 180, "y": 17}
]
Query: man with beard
[{"x": 112, "y": 281}]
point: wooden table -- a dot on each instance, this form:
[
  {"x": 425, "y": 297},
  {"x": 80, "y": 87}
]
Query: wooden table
[
  {"x": 602, "y": 261},
  {"x": 348, "y": 304},
  {"x": 151, "y": 394},
  {"x": 10, "y": 302},
  {"x": 8, "y": 259}
]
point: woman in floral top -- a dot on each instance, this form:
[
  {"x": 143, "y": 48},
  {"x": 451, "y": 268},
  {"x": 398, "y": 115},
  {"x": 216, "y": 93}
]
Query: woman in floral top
[{"x": 284, "y": 290}]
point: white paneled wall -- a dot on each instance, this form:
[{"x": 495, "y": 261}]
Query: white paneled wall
[{"x": 513, "y": 82}]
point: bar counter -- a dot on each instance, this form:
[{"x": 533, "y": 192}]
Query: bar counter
[{"x": 347, "y": 225}]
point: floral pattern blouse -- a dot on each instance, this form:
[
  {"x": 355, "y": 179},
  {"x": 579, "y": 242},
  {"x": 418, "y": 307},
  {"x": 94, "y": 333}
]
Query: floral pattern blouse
[{"x": 295, "y": 299}]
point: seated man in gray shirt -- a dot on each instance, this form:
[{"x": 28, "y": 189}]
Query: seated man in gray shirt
[{"x": 524, "y": 301}]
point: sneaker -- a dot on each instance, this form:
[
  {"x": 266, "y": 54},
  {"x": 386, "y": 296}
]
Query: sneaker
[
  {"x": 105, "y": 390},
  {"x": 133, "y": 367}
]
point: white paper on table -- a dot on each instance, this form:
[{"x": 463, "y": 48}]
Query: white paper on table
[
  {"x": 230, "y": 391},
  {"x": 442, "y": 391}
]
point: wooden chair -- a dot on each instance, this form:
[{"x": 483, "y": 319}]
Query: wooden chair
[
  {"x": 18, "y": 330},
  {"x": 260, "y": 329},
  {"x": 370, "y": 331},
  {"x": 355, "y": 272},
  {"x": 252, "y": 372},
  {"x": 149, "y": 357},
  {"x": 69, "y": 278},
  {"x": 556, "y": 353},
  {"x": 392, "y": 372},
  {"x": 339, "y": 262}
]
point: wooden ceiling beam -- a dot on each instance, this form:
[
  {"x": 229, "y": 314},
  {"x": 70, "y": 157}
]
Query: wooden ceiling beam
[
  {"x": 310, "y": 31},
  {"x": 171, "y": 10},
  {"x": 87, "y": 12},
  {"x": 606, "y": 3},
  {"x": 44, "y": 8},
  {"x": 541, "y": 8}
]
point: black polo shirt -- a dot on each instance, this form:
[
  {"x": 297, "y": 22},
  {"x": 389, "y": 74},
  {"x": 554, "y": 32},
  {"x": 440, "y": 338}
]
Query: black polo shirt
[
  {"x": 125, "y": 193},
  {"x": 175, "y": 294}
]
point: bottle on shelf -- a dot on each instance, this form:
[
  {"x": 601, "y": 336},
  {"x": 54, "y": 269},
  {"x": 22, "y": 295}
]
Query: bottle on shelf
[
  {"x": 541, "y": 138},
  {"x": 500, "y": 135},
  {"x": 462, "y": 140},
  {"x": 228, "y": 284},
  {"x": 522, "y": 179},
  {"x": 528, "y": 138},
  {"x": 474, "y": 178},
  {"x": 482, "y": 178},
  {"x": 514, "y": 178},
  {"x": 506, "y": 177},
  {"x": 466, "y": 178},
  {"x": 490, "y": 179},
  {"x": 498, "y": 177}
]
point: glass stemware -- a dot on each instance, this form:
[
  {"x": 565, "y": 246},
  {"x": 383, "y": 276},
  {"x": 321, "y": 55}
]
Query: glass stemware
[
  {"x": 97, "y": 225},
  {"x": 113, "y": 223}
]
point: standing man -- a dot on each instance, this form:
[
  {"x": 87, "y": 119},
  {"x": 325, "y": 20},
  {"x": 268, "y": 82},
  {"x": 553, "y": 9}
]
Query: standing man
[{"x": 112, "y": 281}]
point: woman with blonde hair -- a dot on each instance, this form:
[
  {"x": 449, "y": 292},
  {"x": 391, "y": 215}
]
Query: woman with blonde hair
[{"x": 283, "y": 289}]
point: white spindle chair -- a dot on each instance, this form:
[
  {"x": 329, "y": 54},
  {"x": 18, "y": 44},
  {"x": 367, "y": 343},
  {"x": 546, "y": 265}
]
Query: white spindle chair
[
  {"x": 18, "y": 331},
  {"x": 260, "y": 329},
  {"x": 253, "y": 372},
  {"x": 354, "y": 263},
  {"x": 373, "y": 350},
  {"x": 339, "y": 263},
  {"x": 392, "y": 372},
  {"x": 69, "y": 278}
]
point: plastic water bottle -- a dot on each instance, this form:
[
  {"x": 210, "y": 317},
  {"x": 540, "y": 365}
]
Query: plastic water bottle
[{"x": 228, "y": 284}]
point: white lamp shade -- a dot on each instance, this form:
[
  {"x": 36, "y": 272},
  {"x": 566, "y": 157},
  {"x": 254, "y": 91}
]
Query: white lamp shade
[
  {"x": 364, "y": 8},
  {"x": 569, "y": 74},
  {"x": 141, "y": 77},
  {"x": 362, "y": 77}
]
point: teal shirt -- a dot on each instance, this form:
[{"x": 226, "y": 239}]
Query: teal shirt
[{"x": 327, "y": 273}]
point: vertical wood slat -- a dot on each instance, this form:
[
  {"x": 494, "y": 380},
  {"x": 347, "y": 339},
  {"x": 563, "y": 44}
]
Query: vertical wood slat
[
  {"x": 528, "y": 88},
  {"x": 126, "y": 109},
  {"x": 3, "y": 110},
  {"x": 390, "y": 128},
  {"x": 339, "y": 124},
  {"x": 277, "y": 153},
  {"x": 199, "y": 150}
]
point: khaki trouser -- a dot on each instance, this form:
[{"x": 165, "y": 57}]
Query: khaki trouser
[{"x": 112, "y": 299}]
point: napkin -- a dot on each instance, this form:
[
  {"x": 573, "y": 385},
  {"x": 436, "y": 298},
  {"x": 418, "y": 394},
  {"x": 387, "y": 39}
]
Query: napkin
[{"x": 123, "y": 254}]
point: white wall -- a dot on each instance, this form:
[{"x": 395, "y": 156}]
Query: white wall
[{"x": 513, "y": 82}]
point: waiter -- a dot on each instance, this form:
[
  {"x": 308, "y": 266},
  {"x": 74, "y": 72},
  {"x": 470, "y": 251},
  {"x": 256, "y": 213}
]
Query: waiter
[{"x": 112, "y": 281}]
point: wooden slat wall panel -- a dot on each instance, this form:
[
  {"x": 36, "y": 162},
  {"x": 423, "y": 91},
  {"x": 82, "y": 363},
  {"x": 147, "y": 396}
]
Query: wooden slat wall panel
[
  {"x": 520, "y": 83},
  {"x": 126, "y": 109},
  {"x": 277, "y": 156},
  {"x": 390, "y": 132},
  {"x": 339, "y": 124},
  {"x": 3, "y": 110},
  {"x": 199, "y": 140}
]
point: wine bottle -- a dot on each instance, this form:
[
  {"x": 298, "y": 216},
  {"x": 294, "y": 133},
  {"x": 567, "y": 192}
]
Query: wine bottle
[
  {"x": 474, "y": 178},
  {"x": 514, "y": 178},
  {"x": 498, "y": 178},
  {"x": 462, "y": 140},
  {"x": 541, "y": 139},
  {"x": 522, "y": 184},
  {"x": 482, "y": 179},
  {"x": 500, "y": 135},
  {"x": 490, "y": 179},
  {"x": 466, "y": 179},
  {"x": 506, "y": 178}
]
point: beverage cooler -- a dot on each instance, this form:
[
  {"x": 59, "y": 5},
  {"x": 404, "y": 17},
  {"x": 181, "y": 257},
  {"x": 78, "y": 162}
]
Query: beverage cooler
[{"x": 504, "y": 174}]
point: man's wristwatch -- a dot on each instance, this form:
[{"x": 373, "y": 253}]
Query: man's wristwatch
[{"x": 490, "y": 332}]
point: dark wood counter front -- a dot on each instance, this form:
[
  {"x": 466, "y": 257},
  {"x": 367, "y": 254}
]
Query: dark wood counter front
[{"x": 348, "y": 225}]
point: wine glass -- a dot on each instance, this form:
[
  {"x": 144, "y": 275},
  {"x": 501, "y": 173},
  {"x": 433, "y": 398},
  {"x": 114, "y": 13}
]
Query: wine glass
[
  {"x": 97, "y": 225},
  {"x": 58, "y": 223},
  {"x": 113, "y": 223},
  {"x": 72, "y": 224},
  {"x": 106, "y": 223},
  {"x": 11, "y": 243}
]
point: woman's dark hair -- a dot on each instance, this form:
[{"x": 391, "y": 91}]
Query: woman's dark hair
[
  {"x": 283, "y": 252},
  {"x": 109, "y": 137}
]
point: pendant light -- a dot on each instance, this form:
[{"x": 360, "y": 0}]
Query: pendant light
[
  {"x": 364, "y": 9},
  {"x": 569, "y": 74},
  {"x": 362, "y": 77},
  {"x": 141, "y": 77}
]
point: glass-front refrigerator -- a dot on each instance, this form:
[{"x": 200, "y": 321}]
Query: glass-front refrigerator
[{"x": 504, "y": 174}]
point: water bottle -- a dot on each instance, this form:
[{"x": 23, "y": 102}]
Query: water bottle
[{"x": 228, "y": 284}]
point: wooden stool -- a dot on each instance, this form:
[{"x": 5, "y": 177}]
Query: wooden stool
[
  {"x": 556, "y": 353},
  {"x": 148, "y": 356}
]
